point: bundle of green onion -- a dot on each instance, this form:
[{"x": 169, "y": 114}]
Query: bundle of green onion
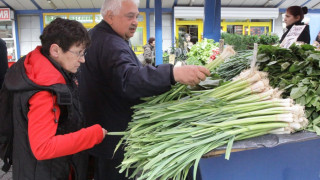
[
  {"x": 164, "y": 140},
  {"x": 179, "y": 90}
]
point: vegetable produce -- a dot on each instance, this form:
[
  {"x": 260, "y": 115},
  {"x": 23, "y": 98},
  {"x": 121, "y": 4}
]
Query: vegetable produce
[
  {"x": 164, "y": 140},
  {"x": 179, "y": 90},
  {"x": 295, "y": 71},
  {"x": 246, "y": 42},
  {"x": 235, "y": 64},
  {"x": 201, "y": 51}
]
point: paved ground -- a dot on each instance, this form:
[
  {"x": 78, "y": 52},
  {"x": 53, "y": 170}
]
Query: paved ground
[{"x": 5, "y": 176}]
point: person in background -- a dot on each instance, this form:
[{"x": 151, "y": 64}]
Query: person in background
[
  {"x": 316, "y": 43},
  {"x": 187, "y": 43},
  {"x": 294, "y": 16},
  {"x": 113, "y": 80},
  {"x": 148, "y": 53},
  {"x": 3, "y": 60},
  {"x": 318, "y": 37},
  {"x": 49, "y": 135}
]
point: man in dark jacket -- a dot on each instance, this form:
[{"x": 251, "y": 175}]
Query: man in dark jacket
[
  {"x": 3, "y": 60},
  {"x": 113, "y": 80}
]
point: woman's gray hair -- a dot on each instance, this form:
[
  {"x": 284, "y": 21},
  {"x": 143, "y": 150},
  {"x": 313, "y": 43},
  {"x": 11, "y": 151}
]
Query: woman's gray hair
[{"x": 114, "y": 6}]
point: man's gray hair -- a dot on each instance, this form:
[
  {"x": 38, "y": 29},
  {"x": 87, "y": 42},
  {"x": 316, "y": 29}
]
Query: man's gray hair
[{"x": 114, "y": 6}]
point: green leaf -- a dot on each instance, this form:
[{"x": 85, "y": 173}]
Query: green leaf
[
  {"x": 315, "y": 100},
  {"x": 315, "y": 72},
  {"x": 315, "y": 57},
  {"x": 298, "y": 92},
  {"x": 317, "y": 106},
  {"x": 309, "y": 111},
  {"x": 317, "y": 129},
  {"x": 296, "y": 79},
  {"x": 284, "y": 66},
  {"x": 318, "y": 91},
  {"x": 314, "y": 83},
  {"x": 301, "y": 100},
  {"x": 284, "y": 83},
  {"x": 288, "y": 87},
  {"x": 305, "y": 81},
  {"x": 309, "y": 70},
  {"x": 263, "y": 58},
  {"x": 272, "y": 63},
  {"x": 309, "y": 97},
  {"x": 229, "y": 147},
  {"x": 314, "y": 115},
  {"x": 296, "y": 66},
  {"x": 316, "y": 121},
  {"x": 307, "y": 47}
]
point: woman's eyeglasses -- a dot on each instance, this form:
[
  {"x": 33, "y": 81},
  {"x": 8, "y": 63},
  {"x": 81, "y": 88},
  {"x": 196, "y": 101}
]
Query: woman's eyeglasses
[{"x": 79, "y": 54}]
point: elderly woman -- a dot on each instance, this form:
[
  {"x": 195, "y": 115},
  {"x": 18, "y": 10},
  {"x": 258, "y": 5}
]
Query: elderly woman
[{"x": 49, "y": 135}]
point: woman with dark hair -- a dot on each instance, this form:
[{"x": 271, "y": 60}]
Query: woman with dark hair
[
  {"x": 49, "y": 135},
  {"x": 148, "y": 53},
  {"x": 294, "y": 16}
]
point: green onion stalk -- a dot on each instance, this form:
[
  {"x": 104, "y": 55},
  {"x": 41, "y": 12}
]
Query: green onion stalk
[
  {"x": 164, "y": 140},
  {"x": 179, "y": 90}
]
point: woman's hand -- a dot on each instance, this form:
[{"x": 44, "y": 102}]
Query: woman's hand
[{"x": 105, "y": 132}]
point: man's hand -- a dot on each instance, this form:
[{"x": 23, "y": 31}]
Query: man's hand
[{"x": 190, "y": 74}]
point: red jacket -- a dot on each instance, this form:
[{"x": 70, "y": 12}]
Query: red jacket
[{"x": 44, "y": 142}]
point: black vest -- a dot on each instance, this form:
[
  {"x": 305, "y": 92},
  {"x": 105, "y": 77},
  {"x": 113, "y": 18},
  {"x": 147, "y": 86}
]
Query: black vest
[{"x": 25, "y": 165}]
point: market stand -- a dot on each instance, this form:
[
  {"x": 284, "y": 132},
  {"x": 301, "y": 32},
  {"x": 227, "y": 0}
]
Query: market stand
[{"x": 268, "y": 157}]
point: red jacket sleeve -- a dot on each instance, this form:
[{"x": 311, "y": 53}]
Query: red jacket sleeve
[{"x": 42, "y": 130}]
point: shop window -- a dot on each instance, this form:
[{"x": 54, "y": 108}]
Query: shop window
[
  {"x": 192, "y": 30},
  {"x": 6, "y": 29},
  {"x": 258, "y": 30},
  {"x": 246, "y": 30},
  {"x": 85, "y": 18},
  {"x": 49, "y": 18},
  {"x": 11, "y": 50},
  {"x": 235, "y": 29},
  {"x": 137, "y": 40},
  {"x": 6, "y": 34},
  {"x": 89, "y": 20},
  {"x": 97, "y": 18}
]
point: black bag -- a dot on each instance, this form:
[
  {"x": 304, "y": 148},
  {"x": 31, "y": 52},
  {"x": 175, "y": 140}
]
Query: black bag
[{"x": 6, "y": 128}]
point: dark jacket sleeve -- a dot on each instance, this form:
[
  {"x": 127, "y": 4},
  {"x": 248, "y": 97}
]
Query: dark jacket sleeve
[
  {"x": 305, "y": 35},
  {"x": 3, "y": 60},
  {"x": 129, "y": 78}
]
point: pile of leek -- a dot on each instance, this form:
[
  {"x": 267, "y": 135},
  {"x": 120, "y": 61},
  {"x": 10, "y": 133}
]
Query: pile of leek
[{"x": 164, "y": 140}]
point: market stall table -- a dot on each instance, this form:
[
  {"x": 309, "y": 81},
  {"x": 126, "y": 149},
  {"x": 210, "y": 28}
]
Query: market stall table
[{"x": 286, "y": 157}]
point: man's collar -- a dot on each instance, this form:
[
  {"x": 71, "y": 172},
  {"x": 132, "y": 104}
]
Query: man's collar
[{"x": 104, "y": 24}]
